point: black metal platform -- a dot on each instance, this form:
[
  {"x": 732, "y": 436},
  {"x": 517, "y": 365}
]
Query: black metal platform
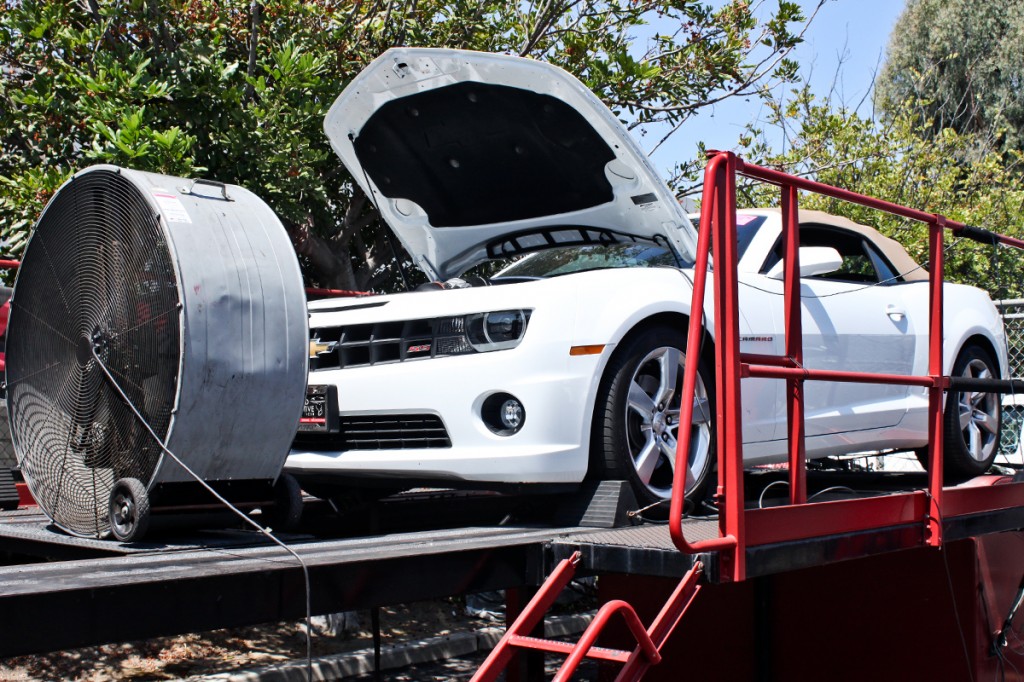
[
  {"x": 156, "y": 592},
  {"x": 103, "y": 591}
]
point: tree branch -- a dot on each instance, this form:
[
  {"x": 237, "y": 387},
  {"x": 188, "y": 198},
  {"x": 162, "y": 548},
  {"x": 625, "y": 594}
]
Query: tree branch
[{"x": 255, "y": 14}]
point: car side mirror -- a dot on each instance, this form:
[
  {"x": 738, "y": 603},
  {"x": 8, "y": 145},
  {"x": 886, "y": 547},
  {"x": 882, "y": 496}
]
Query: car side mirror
[{"x": 814, "y": 260}]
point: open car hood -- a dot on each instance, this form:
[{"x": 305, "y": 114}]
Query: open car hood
[{"x": 470, "y": 155}]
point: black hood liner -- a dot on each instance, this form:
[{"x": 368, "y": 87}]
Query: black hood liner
[{"x": 476, "y": 154}]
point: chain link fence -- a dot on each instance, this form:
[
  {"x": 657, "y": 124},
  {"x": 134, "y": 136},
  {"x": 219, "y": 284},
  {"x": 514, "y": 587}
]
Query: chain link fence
[{"x": 1013, "y": 405}]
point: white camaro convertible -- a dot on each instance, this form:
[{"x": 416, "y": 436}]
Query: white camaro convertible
[{"x": 566, "y": 364}]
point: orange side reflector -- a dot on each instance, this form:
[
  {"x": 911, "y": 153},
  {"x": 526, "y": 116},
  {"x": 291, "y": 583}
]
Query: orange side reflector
[{"x": 586, "y": 350}]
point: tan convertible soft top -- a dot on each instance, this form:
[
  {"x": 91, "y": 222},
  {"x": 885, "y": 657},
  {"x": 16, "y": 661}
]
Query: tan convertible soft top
[{"x": 890, "y": 248}]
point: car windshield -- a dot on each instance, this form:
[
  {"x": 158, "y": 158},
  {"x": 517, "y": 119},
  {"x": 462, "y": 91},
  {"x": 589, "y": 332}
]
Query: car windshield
[
  {"x": 569, "y": 259},
  {"x": 747, "y": 226}
]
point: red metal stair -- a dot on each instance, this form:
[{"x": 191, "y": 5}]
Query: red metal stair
[{"x": 635, "y": 662}]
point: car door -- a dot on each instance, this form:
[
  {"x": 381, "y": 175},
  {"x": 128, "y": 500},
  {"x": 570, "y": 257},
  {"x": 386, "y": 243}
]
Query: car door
[
  {"x": 762, "y": 398},
  {"x": 854, "y": 320}
]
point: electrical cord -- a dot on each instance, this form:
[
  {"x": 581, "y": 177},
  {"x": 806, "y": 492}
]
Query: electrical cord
[
  {"x": 952, "y": 594},
  {"x": 705, "y": 506},
  {"x": 638, "y": 514},
  {"x": 265, "y": 531},
  {"x": 828, "y": 490},
  {"x": 956, "y": 614},
  {"x": 1003, "y": 660},
  {"x": 1019, "y": 648},
  {"x": 760, "y": 499}
]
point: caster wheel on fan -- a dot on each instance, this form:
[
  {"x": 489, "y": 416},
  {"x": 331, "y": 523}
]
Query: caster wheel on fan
[{"x": 129, "y": 510}]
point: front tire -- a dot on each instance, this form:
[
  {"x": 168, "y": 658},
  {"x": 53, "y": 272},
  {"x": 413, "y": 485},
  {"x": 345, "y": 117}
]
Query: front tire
[{"x": 636, "y": 419}]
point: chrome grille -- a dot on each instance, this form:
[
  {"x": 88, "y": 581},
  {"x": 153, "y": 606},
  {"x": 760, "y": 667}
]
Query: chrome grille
[
  {"x": 360, "y": 345},
  {"x": 380, "y": 432}
]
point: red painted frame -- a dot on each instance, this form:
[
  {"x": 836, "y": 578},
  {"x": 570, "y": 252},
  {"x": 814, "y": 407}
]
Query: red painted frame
[
  {"x": 331, "y": 293},
  {"x": 25, "y": 498},
  {"x": 635, "y": 662},
  {"x": 739, "y": 528}
]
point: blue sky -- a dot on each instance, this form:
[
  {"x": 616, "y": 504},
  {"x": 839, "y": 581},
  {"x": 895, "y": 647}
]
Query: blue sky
[{"x": 845, "y": 43}]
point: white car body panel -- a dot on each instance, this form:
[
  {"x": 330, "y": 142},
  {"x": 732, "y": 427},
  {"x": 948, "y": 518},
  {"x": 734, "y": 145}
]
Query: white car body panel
[
  {"x": 559, "y": 391},
  {"x": 847, "y": 326}
]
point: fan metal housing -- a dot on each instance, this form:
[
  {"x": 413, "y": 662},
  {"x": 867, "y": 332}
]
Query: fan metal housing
[{"x": 191, "y": 296}]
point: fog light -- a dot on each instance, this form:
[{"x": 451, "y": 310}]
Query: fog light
[
  {"x": 511, "y": 414},
  {"x": 503, "y": 414}
]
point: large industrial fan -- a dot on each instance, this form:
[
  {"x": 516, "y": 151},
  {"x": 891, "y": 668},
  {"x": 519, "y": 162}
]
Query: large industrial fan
[{"x": 180, "y": 300}]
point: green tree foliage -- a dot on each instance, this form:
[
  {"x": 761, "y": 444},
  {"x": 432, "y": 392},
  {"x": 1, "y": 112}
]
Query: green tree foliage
[
  {"x": 959, "y": 65},
  {"x": 236, "y": 90},
  {"x": 950, "y": 138},
  {"x": 901, "y": 161}
]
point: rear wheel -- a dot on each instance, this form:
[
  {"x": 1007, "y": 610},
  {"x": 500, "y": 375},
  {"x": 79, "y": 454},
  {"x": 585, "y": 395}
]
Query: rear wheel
[
  {"x": 636, "y": 419},
  {"x": 972, "y": 418}
]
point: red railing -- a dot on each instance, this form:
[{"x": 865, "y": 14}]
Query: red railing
[
  {"x": 799, "y": 520},
  {"x": 717, "y": 236},
  {"x": 635, "y": 662}
]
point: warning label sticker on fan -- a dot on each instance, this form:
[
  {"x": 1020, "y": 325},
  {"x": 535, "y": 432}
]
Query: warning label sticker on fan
[{"x": 171, "y": 206}]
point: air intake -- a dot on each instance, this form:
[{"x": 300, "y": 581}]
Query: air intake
[{"x": 189, "y": 293}]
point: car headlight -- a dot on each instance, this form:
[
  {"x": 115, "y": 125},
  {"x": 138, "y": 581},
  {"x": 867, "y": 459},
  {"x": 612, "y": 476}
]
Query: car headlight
[{"x": 496, "y": 330}]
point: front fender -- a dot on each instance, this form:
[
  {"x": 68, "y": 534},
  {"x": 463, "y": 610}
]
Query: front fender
[{"x": 612, "y": 303}]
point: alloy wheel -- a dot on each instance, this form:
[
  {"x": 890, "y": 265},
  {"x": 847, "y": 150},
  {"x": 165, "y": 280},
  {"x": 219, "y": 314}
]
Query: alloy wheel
[{"x": 652, "y": 422}]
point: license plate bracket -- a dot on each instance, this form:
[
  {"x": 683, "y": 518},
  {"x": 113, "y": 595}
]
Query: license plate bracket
[{"x": 320, "y": 410}]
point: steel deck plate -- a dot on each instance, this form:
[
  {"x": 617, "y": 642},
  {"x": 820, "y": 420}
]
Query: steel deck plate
[
  {"x": 152, "y": 593},
  {"x": 638, "y": 550},
  {"x": 650, "y": 536},
  {"x": 225, "y": 578},
  {"x": 29, "y": 532}
]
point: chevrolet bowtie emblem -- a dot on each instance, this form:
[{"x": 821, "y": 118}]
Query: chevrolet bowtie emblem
[{"x": 318, "y": 347}]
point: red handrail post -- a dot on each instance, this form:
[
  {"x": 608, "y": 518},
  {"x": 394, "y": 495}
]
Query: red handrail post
[
  {"x": 713, "y": 174},
  {"x": 794, "y": 346},
  {"x": 718, "y": 226},
  {"x": 728, "y": 371},
  {"x": 936, "y": 276}
]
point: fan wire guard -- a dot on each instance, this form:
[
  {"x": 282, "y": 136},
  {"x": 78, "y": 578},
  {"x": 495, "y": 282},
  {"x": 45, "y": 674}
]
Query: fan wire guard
[{"x": 97, "y": 275}]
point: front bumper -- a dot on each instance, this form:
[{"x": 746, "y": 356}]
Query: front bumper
[{"x": 552, "y": 446}]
